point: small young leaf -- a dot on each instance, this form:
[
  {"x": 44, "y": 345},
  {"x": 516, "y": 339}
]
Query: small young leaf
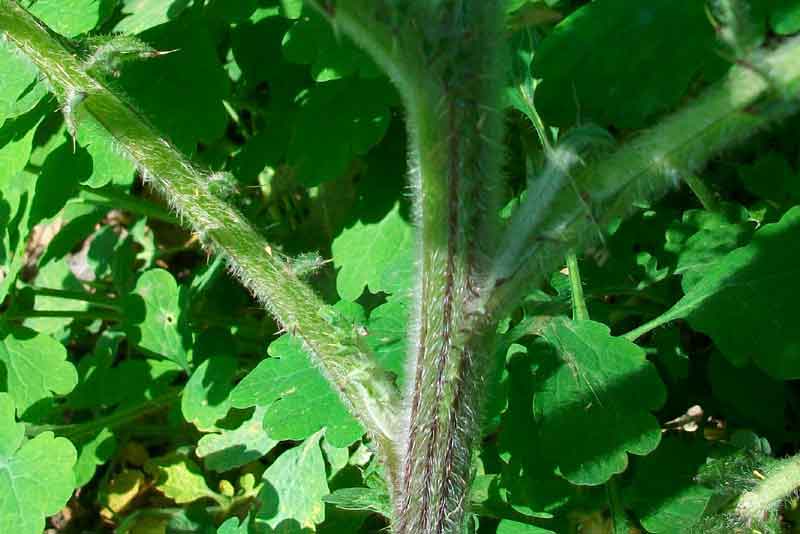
[
  {"x": 34, "y": 366},
  {"x": 93, "y": 453},
  {"x": 299, "y": 400},
  {"x": 205, "y": 398},
  {"x": 294, "y": 485},
  {"x": 108, "y": 165},
  {"x": 234, "y": 448},
  {"x": 703, "y": 238},
  {"x": 36, "y": 476},
  {"x": 663, "y": 492},
  {"x": 179, "y": 478},
  {"x": 365, "y": 252},
  {"x": 153, "y": 317},
  {"x": 592, "y": 398}
]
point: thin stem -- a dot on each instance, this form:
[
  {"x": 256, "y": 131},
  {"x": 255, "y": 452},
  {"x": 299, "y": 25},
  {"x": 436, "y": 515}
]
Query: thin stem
[
  {"x": 619, "y": 520},
  {"x": 111, "y": 198},
  {"x": 335, "y": 346},
  {"x": 91, "y": 315},
  {"x": 579, "y": 310},
  {"x": 81, "y": 432},
  {"x": 702, "y": 192},
  {"x": 100, "y": 301},
  {"x": 651, "y": 325}
]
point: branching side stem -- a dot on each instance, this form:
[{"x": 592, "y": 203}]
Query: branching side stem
[{"x": 365, "y": 387}]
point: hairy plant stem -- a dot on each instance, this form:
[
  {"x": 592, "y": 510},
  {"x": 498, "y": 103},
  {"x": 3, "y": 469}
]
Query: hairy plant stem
[
  {"x": 779, "y": 482},
  {"x": 449, "y": 74},
  {"x": 334, "y": 345},
  {"x": 453, "y": 125},
  {"x": 741, "y": 104}
]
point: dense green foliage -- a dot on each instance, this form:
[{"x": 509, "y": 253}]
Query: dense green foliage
[{"x": 649, "y": 387}]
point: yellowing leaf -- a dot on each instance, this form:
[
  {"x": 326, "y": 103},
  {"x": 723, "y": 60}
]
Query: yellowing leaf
[
  {"x": 179, "y": 478},
  {"x": 122, "y": 490}
]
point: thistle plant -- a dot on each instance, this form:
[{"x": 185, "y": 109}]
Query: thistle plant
[{"x": 448, "y": 61}]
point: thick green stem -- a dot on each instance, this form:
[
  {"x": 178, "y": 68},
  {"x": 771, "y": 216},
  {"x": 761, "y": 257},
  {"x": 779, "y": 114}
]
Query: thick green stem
[
  {"x": 447, "y": 61},
  {"x": 335, "y": 346},
  {"x": 738, "y": 106},
  {"x": 443, "y": 58}
]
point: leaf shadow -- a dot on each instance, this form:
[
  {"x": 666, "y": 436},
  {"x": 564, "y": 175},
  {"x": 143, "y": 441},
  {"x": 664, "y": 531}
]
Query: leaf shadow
[{"x": 532, "y": 472}]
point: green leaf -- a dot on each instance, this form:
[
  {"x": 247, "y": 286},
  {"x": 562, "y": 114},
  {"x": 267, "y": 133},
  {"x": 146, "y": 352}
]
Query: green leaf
[
  {"x": 291, "y": 9},
  {"x": 19, "y": 89},
  {"x": 108, "y": 164},
  {"x": 55, "y": 275},
  {"x": 387, "y": 327},
  {"x": 364, "y": 253},
  {"x": 179, "y": 478},
  {"x": 93, "y": 453},
  {"x": 580, "y": 68},
  {"x": 294, "y": 485},
  {"x": 34, "y": 366},
  {"x": 36, "y": 477},
  {"x": 596, "y": 393},
  {"x": 703, "y": 238},
  {"x": 62, "y": 171},
  {"x": 772, "y": 179},
  {"x": 68, "y": 17},
  {"x": 153, "y": 317},
  {"x": 205, "y": 398},
  {"x": 529, "y": 478},
  {"x": 507, "y": 526},
  {"x": 748, "y": 397},
  {"x": 130, "y": 382},
  {"x": 785, "y": 17},
  {"x": 299, "y": 400},
  {"x": 337, "y": 121},
  {"x": 168, "y": 96},
  {"x": 311, "y": 41},
  {"x": 141, "y": 15},
  {"x": 234, "y": 448},
  {"x": 762, "y": 274},
  {"x": 234, "y": 526},
  {"x": 16, "y": 140},
  {"x": 663, "y": 492}
]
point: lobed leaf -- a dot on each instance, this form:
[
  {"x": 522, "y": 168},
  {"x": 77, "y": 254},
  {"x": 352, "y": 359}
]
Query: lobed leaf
[
  {"x": 36, "y": 475},
  {"x": 34, "y": 367},
  {"x": 298, "y": 400},
  {"x": 596, "y": 393}
]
